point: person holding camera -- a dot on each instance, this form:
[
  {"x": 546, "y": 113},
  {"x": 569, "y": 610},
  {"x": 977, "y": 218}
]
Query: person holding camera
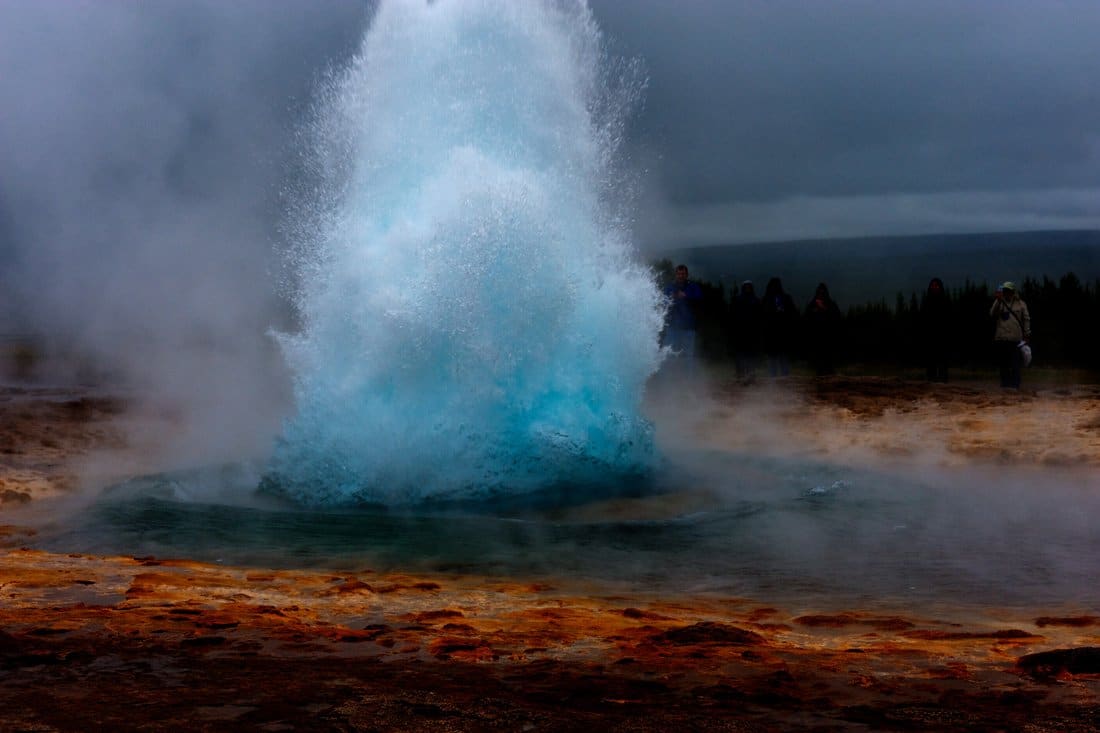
[{"x": 1011, "y": 330}]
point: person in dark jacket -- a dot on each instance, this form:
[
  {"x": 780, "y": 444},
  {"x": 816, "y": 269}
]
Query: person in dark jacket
[
  {"x": 744, "y": 331},
  {"x": 778, "y": 321},
  {"x": 684, "y": 297},
  {"x": 936, "y": 329},
  {"x": 822, "y": 320}
]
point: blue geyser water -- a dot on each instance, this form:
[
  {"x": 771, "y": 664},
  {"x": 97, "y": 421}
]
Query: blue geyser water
[{"x": 474, "y": 320}]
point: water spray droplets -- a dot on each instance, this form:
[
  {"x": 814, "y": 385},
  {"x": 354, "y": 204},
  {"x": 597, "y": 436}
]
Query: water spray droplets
[{"x": 474, "y": 321}]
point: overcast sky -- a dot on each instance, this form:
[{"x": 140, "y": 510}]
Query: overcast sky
[
  {"x": 762, "y": 120},
  {"x": 774, "y": 120}
]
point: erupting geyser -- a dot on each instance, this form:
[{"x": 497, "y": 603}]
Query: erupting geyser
[{"x": 473, "y": 320}]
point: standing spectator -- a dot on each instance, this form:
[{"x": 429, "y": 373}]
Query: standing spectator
[
  {"x": 822, "y": 331},
  {"x": 744, "y": 331},
  {"x": 778, "y": 320},
  {"x": 935, "y": 330},
  {"x": 1011, "y": 330},
  {"x": 684, "y": 296}
]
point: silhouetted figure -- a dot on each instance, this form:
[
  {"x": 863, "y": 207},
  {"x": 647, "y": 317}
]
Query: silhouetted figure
[
  {"x": 684, "y": 296},
  {"x": 744, "y": 331},
  {"x": 935, "y": 330},
  {"x": 778, "y": 321},
  {"x": 1011, "y": 330},
  {"x": 822, "y": 321}
]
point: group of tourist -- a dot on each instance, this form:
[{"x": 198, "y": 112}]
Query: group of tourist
[{"x": 771, "y": 327}]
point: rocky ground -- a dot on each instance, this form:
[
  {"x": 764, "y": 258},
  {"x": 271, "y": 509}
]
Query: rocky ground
[
  {"x": 44, "y": 432},
  {"x": 967, "y": 423},
  {"x": 92, "y": 643}
]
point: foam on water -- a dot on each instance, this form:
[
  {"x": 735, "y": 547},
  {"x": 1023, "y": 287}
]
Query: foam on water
[{"x": 473, "y": 319}]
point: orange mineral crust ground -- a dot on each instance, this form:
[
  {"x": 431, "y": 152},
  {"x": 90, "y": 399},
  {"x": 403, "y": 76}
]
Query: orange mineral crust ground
[{"x": 92, "y": 643}]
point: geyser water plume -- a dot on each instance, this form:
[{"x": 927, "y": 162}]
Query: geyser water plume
[{"x": 473, "y": 320}]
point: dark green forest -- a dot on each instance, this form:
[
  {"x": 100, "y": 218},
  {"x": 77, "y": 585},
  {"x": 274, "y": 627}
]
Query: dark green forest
[{"x": 890, "y": 333}]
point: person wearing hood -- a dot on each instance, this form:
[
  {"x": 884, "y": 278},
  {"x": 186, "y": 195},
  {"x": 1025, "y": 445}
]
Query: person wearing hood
[
  {"x": 744, "y": 331},
  {"x": 778, "y": 321},
  {"x": 936, "y": 329},
  {"x": 1011, "y": 330},
  {"x": 822, "y": 319}
]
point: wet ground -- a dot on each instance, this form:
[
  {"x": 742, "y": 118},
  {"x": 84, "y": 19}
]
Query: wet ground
[{"x": 92, "y": 643}]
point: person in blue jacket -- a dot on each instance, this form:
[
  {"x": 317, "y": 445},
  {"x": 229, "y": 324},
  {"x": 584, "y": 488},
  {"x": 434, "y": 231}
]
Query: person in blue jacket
[{"x": 684, "y": 296}]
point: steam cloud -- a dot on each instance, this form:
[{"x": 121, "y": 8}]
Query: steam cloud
[{"x": 143, "y": 149}]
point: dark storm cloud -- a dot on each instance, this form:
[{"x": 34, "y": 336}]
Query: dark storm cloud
[
  {"x": 753, "y": 104},
  {"x": 142, "y": 149}
]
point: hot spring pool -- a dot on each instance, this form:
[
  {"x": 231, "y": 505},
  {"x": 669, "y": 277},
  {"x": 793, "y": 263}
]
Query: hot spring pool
[{"x": 793, "y": 532}]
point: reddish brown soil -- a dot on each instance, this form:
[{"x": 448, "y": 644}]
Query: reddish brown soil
[{"x": 91, "y": 643}]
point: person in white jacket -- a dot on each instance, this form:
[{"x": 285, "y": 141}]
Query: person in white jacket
[{"x": 1011, "y": 330}]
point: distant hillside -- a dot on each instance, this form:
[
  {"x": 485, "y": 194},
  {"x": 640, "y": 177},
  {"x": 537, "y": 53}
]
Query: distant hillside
[{"x": 859, "y": 270}]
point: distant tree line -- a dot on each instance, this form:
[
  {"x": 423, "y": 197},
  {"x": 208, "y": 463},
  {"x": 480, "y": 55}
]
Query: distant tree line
[{"x": 892, "y": 332}]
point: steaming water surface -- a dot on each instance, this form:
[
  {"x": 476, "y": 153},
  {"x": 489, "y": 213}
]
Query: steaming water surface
[{"x": 806, "y": 534}]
